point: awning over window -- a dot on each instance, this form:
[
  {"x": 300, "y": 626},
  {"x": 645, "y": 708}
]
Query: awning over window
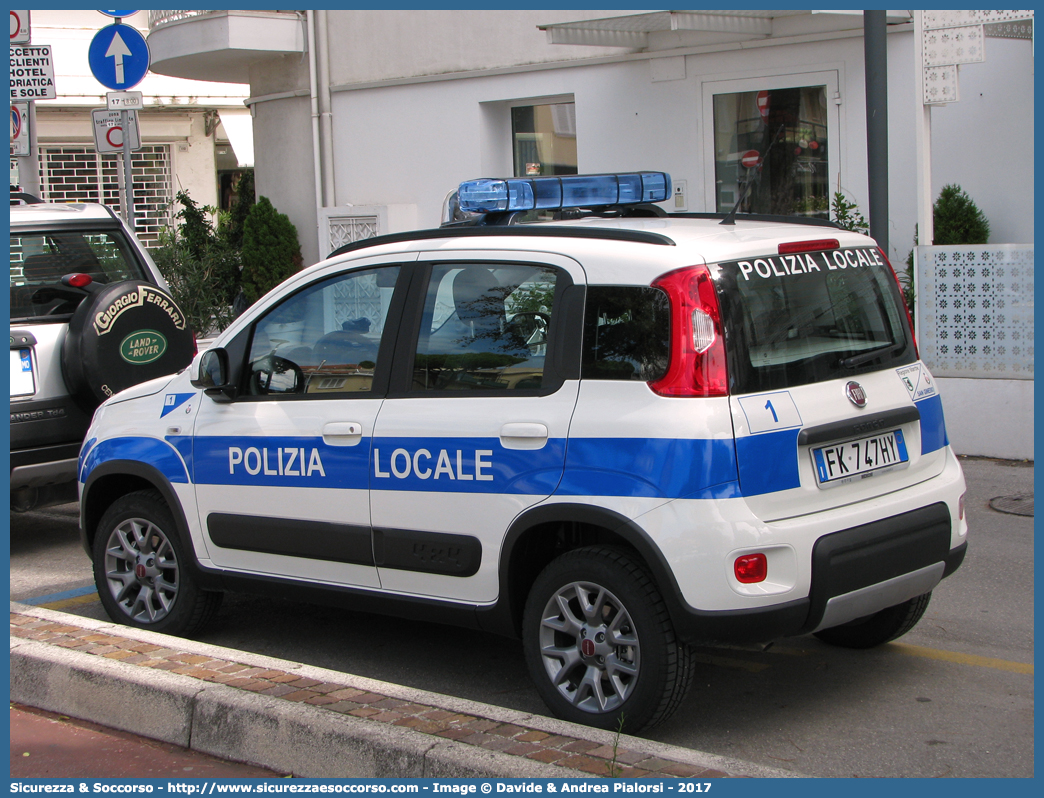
[
  {"x": 240, "y": 131},
  {"x": 633, "y": 30}
]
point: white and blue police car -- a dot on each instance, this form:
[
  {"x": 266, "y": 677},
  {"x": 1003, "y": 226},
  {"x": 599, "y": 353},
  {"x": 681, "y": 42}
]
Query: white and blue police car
[{"x": 614, "y": 434}]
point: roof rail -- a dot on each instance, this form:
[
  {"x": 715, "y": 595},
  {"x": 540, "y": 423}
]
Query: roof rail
[
  {"x": 28, "y": 199},
  {"x": 814, "y": 221},
  {"x": 508, "y": 218},
  {"x": 483, "y": 231}
]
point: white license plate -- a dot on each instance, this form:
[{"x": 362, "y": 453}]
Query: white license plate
[
  {"x": 23, "y": 380},
  {"x": 845, "y": 462}
]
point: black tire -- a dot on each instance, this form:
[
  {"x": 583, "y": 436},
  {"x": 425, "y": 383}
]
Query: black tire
[
  {"x": 879, "y": 628},
  {"x": 121, "y": 335},
  {"x": 138, "y": 532},
  {"x": 652, "y": 669}
]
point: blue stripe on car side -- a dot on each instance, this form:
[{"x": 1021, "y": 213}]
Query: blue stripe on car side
[
  {"x": 768, "y": 462},
  {"x": 183, "y": 443},
  {"x": 286, "y": 462},
  {"x": 159, "y": 454},
  {"x": 933, "y": 425},
  {"x": 667, "y": 468},
  {"x": 85, "y": 448},
  {"x": 465, "y": 465}
]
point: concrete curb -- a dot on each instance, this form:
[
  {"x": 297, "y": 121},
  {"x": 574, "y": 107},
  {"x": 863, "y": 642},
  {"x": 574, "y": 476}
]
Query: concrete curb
[{"x": 294, "y": 737}]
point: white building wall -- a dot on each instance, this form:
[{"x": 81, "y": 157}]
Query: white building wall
[
  {"x": 414, "y": 142},
  {"x": 413, "y": 139},
  {"x": 422, "y": 102},
  {"x": 991, "y": 132},
  {"x": 989, "y": 418},
  {"x": 283, "y": 143}
]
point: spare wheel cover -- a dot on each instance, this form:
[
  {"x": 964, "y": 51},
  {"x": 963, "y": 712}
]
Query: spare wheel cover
[{"x": 122, "y": 335}]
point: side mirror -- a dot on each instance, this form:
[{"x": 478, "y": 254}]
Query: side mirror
[{"x": 213, "y": 376}]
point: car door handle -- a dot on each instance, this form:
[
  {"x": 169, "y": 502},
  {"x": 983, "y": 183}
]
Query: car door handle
[
  {"x": 523, "y": 435},
  {"x": 342, "y": 433}
]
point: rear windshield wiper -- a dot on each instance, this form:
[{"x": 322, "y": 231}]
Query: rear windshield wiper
[{"x": 864, "y": 357}]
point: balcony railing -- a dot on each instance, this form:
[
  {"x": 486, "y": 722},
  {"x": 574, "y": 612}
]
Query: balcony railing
[{"x": 158, "y": 18}]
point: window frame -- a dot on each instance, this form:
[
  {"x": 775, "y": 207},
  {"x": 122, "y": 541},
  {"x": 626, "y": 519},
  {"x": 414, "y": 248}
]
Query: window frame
[
  {"x": 556, "y": 359},
  {"x": 830, "y": 77},
  {"x": 588, "y": 346},
  {"x": 239, "y": 347},
  {"x": 512, "y": 108}
]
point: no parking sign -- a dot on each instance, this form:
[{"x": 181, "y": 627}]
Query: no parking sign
[
  {"x": 109, "y": 134},
  {"x": 19, "y": 128},
  {"x": 19, "y": 27}
]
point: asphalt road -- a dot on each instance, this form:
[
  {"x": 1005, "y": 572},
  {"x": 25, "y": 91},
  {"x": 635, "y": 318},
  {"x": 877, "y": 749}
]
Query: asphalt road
[{"x": 953, "y": 698}]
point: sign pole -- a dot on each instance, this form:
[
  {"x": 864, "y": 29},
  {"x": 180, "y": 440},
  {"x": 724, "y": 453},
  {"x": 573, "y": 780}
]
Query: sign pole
[
  {"x": 119, "y": 58},
  {"x": 128, "y": 183}
]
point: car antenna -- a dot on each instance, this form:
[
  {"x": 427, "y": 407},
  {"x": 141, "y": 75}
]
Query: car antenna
[{"x": 731, "y": 218}]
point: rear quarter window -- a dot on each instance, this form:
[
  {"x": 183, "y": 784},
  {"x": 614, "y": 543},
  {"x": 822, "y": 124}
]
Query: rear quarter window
[
  {"x": 626, "y": 333},
  {"x": 811, "y": 317}
]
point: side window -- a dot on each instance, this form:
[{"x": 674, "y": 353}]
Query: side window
[
  {"x": 485, "y": 327},
  {"x": 324, "y": 339},
  {"x": 626, "y": 333}
]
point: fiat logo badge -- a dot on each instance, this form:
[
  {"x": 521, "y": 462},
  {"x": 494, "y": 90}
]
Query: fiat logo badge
[
  {"x": 855, "y": 393},
  {"x": 587, "y": 647}
]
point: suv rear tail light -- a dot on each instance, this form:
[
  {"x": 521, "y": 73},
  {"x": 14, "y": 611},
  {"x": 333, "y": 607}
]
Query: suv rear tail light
[
  {"x": 697, "y": 350},
  {"x": 751, "y": 568},
  {"x": 909, "y": 318},
  {"x": 77, "y": 280}
]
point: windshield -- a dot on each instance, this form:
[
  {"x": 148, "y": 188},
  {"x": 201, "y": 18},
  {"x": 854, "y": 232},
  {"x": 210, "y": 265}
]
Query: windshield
[
  {"x": 40, "y": 259},
  {"x": 809, "y": 317}
]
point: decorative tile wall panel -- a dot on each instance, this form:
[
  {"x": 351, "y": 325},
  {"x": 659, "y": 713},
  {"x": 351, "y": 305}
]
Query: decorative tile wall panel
[
  {"x": 953, "y": 46},
  {"x": 975, "y": 310}
]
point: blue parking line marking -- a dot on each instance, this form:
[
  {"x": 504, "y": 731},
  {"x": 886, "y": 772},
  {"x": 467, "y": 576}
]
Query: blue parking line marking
[{"x": 65, "y": 594}]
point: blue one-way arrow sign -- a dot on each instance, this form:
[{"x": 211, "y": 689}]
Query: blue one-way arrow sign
[{"x": 118, "y": 57}]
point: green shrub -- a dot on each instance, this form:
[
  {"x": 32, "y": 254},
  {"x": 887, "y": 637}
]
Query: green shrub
[
  {"x": 957, "y": 219},
  {"x": 200, "y": 267},
  {"x": 232, "y": 227},
  {"x": 271, "y": 251},
  {"x": 848, "y": 216}
]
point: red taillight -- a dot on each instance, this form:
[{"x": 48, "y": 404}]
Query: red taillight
[
  {"x": 78, "y": 280},
  {"x": 697, "y": 353},
  {"x": 751, "y": 568},
  {"x": 909, "y": 318},
  {"x": 817, "y": 245}
]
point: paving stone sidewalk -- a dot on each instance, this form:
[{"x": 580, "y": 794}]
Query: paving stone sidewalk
[{"x": 588, "y": 751}]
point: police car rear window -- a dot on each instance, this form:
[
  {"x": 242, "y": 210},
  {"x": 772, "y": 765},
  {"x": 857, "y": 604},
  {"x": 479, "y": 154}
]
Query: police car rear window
[{"x": 810, "y": 317}]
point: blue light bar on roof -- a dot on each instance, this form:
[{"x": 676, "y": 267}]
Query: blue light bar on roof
[{"x": 569, "y": 191}]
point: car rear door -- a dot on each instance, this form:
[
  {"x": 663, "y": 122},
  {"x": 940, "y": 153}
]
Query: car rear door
[{"x": 474, "y": 429}]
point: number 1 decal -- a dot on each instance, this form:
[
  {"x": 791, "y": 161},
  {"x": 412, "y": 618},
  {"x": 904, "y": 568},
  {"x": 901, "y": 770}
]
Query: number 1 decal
[{"x": 782, "y": 412}]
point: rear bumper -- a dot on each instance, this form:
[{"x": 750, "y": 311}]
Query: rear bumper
[{"x": 855, "y": 572}]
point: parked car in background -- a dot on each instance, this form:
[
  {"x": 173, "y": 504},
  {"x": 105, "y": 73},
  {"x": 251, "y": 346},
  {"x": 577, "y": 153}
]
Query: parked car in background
[{"x": 90, "y": 316}]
